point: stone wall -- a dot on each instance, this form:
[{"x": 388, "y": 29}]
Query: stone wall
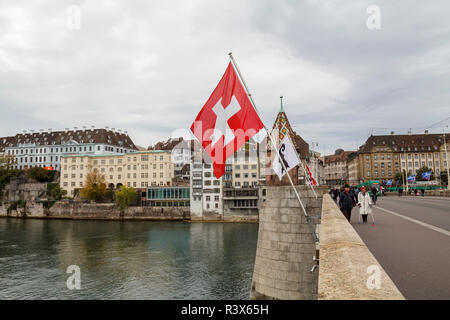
[
  {"x": 101, "y": 211},
  {"x": 17, "y": 190},
  {"x": 346, "y": 263},
  {"x": 286, "y": 246}
]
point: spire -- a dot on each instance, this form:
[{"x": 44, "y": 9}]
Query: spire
[{"x": 281, "y": 109}]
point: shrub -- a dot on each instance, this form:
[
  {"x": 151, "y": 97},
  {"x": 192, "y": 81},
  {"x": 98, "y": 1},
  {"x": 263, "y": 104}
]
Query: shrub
[
  {"x": 55, "y": 192},
  {"x": 125, "y": 197},
  {"x": 39, "y": 174}
]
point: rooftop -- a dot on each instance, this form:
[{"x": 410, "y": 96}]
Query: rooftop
[{"x": 83, "y": 136}]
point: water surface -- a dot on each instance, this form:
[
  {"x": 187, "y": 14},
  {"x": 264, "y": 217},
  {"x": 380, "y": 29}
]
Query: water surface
[{"x": 126, "y": 259}]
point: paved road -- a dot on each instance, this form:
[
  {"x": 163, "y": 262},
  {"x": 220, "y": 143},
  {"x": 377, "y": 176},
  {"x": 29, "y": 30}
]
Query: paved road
[{"x": 411, "y": 240}]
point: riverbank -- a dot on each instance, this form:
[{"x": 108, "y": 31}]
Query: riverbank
[
  {"x": 92, "y": 211},
  {"x": 76, "y": 210}
]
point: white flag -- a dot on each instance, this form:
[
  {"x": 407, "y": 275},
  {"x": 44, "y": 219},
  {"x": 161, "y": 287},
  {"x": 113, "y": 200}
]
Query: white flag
[{"x": 288, "y": 156}]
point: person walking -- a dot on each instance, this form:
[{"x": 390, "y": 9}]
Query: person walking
[
  {"x": 347, "y": 202},
  {"x": 422, "y": 191},
  {"x": 335, "y": 194},
  {"x": 364, "y": 204},
  {"x": 400, "y": 191},
  {"x": 374, "y": 195}
]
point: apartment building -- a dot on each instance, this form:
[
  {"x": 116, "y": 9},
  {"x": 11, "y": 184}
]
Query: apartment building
[
  {"x": 382, "y": 157},
  {"x": 336, "y": 171},
  {"x": 46, "y": 147},
  {"x": 138, "y": 169},
  {"x": 206, "y": 190},
  {"x": 353, "y": 168}
]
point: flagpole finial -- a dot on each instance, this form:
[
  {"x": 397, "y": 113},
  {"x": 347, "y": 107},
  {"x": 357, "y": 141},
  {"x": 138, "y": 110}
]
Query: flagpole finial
[{"x": 281, "y": 109}]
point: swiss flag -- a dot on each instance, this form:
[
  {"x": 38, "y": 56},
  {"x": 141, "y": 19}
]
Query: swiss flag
[{"x": 226, "y": 121}]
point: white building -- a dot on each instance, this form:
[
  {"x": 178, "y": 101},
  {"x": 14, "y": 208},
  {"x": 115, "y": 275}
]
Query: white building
[
  {"x": 45, "y": 148},
  {"x": 317, "y": 167},
  {"x": 205, "y": 190}
]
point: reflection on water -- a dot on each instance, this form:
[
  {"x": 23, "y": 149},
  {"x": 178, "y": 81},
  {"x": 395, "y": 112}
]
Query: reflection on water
[{"x": 126, "y": 260}]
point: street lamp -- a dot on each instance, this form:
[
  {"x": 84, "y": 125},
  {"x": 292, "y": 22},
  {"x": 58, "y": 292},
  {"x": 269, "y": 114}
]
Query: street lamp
[
  {"x": 446, "y": 159},
  {"x": 406, "y": 169}
]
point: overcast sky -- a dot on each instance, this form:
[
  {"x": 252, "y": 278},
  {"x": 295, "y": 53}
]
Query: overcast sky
[{"x": 149, "y": 66}]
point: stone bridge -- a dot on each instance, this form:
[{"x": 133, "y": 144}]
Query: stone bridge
[{"x": 284, "y": 265}]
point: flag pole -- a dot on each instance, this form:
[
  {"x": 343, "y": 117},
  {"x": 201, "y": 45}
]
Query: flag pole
[
  {"x": 308, "y": 219},
  {"x": 300, "y": 160}
]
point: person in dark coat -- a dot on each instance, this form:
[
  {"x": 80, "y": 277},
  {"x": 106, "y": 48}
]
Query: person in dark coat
[
  {"x": 347, "y": 202},
  {"x": 334, "y": 194},
  {"x": 374, "y": 195}
]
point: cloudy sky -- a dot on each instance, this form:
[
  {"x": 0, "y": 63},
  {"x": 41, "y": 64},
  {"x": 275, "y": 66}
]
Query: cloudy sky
[{"x": 149, "y": 66}]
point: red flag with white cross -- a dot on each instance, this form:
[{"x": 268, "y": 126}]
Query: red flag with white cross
[{"x": 226, "y": 121}]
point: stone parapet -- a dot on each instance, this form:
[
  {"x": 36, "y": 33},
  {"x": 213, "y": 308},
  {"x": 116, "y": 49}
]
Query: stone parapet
[{"x": 348, "y": 270}]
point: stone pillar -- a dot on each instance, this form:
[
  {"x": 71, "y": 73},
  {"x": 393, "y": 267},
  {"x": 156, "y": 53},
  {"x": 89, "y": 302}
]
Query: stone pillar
[{"x": 285, "y": 250}]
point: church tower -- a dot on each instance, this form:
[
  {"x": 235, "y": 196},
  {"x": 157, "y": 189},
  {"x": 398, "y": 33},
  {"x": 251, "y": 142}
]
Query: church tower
[{"x": 280, "y": 129}]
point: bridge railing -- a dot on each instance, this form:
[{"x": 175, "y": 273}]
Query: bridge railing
[{"x": 348, "y": 270}]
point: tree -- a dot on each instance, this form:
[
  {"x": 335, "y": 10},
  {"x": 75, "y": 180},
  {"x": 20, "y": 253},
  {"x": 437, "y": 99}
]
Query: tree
[
  {"x": 94, "y": 187},
  {"x": 6, "y": 175},
  {"x": 6, "y": 162},
  {"x": 444, "y": 178},
  {"x": 423, "y": 170},
  {"x": 55, "y": 192},
  {"x": 125, "y": 197},
  {"x": 400, "y": 178},
  {"x": 39, "y": 174}
]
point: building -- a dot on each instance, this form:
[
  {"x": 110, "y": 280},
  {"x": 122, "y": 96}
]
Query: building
[
  {"x": 45, "y": 148},
  {"x": 382, "y": 157},
  {"x": 181, "y": 157},
  {"x": 206, "y": 190},
  {"x": 280, "y": 129},
  {"x": 353, "y": 168},
  {"x": 235, "y": 193},
  {"x": 316, "y": 166},
  {"x": 137, "y": 169},
  {"x": 181, "y": 151},
  {"x": 336, "y": 172},
  {"x": 168, "y": 197}
]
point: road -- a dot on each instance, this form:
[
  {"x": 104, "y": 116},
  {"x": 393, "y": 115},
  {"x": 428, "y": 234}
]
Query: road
[{"x": 411, "y": 240}]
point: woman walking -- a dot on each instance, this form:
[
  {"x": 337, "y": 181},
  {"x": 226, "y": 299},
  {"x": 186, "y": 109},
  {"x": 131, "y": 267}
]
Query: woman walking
[{"x": 364, "y": 204}]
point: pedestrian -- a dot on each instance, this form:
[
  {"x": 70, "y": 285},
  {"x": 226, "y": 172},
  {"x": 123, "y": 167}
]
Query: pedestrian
[
  {"x": 347, "y": 202},
  {"x": 364, "y": 204},
  {"x": 374, "y": 195},
  {"x": 423, "y": 192},
  {"x": 400, "y": 191},
  {"x": 335, "y": 194}
]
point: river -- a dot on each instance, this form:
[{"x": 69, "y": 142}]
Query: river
[{"x": 126, "y": 259}]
